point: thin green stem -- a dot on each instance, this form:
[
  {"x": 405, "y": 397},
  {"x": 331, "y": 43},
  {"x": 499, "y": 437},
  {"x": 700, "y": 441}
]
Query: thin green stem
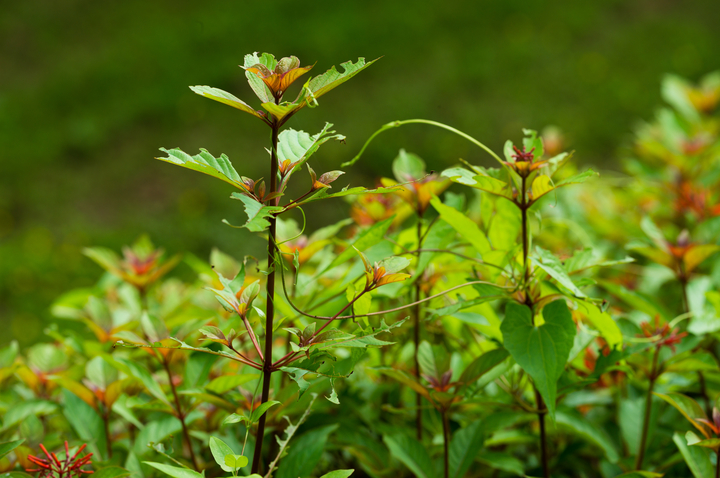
[
  {"x": 648, "y": 408},
  {"x": 542, "y": 411},
  {"x": 270, "y": 307},
  {"x": 416, "y": 336},
  {"x": 717, "y": 464},
  {"x": 396, "y": 124}
]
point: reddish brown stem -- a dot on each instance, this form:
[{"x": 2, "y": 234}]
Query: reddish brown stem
[{"x": 270, "y": 307}]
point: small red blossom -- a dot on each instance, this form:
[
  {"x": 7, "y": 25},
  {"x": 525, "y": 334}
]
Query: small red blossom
[
  {"x": 667, "y": 337},
  {"x": 525, "y": 162},
  {"x": 56, "y": 468}
]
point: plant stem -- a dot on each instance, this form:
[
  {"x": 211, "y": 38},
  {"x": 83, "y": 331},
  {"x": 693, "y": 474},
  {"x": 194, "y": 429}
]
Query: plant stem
[
  {"x": 542, "y": 409},
  {"x": 717, "y": 464},
  {"x": 180, "y": 414},
  {"x": 648, "y": 407},
  {"x": 446, "y": 442},
  {"x": 270, "y": 307},
  {"x": 416, "y": 336},
  {"x": 543, "y": 437}
]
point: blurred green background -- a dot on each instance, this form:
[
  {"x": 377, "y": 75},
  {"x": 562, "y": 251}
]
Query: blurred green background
[{"x": 90, "y": 90}]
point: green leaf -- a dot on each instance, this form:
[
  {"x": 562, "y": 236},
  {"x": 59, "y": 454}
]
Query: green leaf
[
  {"x": 694, "y": 440},
  {"x": 541, "y": 351},
  {"x": 338, "y": 474},
  {"x": 463, "y": 225},
  {"x": 175, "y": 471},
  {"x": 591, "y": 432},
  {"x": 502, "y": 461},
  {"x": 541, "y": 185},
  {"x": 220, "y": 450},
  {"x": 408, "y": 167},
  {"x": 111, "y": 472},
  {"x": 578, "y": 178},
  {"x": 205, "y": 163},
  {"x": 697, "y": 458},
  {"x": 603, "y": 323},
  {"x": 141, "y": 373},
  {"x": 23, "y": 409},
  {"x": 434, "y": 360},
  {"x": 505, "y": 227},
  {"x": 556, "y": 270},
  {"x": 226, "y": 98},
  {"x": 15, "y": 474},
  {"x": 260, "y": 411},
  {"x": 8, "y": 446},
  {"x": 324, "y": 193},
  {"x": 640, "y": 474},
  {"x": 257, "y": 213},
  {"x": 365, "y": 240},
  {"x": 481, "y": 365},
  {"x": 697, "y": 254},
  {"x": 86, "y": 422},
  {"x": 298, "y": 146},
  {"x": 225, "y": 383},
  {"x": 464, "y": 447},
  {"x": 236, "y": 461},
  {"x": 482, "y": 182},
  {"x": 634, "y": 299},
  {"x": 411, "y": 453},
  {"x": 305, "y": 453},
  {"x": 688, "y": 408},
  {"x": 331, "y": 79},
  {"x": 406, "y": 379}
]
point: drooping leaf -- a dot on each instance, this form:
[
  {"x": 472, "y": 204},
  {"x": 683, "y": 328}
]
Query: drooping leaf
[
  {"x": 366, "y": 239},
  {"x": 463, "y": 225},
  {"x": 689, "y": 408},
  {"x": 226, "y": 98},
  {"x": 502, "y": 461},
  {"x": 696, "y": 457},
  {"x": 21, "y": 410},
  {"x": 338, "y": 474},
  {"x": 411, "y": 453},
  {"x": 8, "y": 446},
  {"x": 555, "y": 269},
  {"x": 541, "y": 351},
  {"x": 175, "y": 471},
  {"x": 482, "y": 182},
  {"x": 225, "y": 383},
  {"x": 206, "y": 163},
  {"x": 257, "y": 213},
  {"x": 86, "y": 422},
  {"x": 304, "y": 453},
  {"x": 464, "y": 447},
  {"x": 482, "y": 364},
  {"x": 589, "y": 431}
]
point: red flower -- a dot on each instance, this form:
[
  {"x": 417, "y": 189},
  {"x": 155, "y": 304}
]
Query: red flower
[{"x": 55, "y": 468}]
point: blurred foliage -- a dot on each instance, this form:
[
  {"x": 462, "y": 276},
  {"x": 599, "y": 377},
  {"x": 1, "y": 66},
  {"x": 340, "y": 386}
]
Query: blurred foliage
[{"x": 90, "y": 90}]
